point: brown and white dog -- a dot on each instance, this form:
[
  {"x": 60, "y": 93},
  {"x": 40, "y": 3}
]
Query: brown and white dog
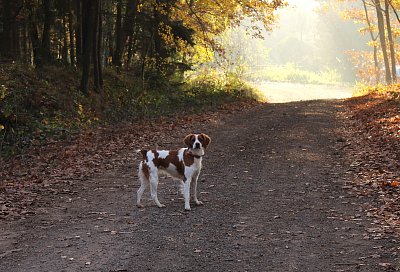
[{"x": 183, "y": 164}]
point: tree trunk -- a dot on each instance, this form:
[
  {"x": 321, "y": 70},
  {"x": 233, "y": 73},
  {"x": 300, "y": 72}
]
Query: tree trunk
[
  {"x": 87, "y": 21},
  {"x": 6, "y": 34},
  {"x": 65, "y": 40},
  {"x": 391, "y": 42},
  {"x": 376, "y": 61},
  {"x": 381, "y": 28},
  {"x": 15, "y": 39},
  {"x": 100, "y": 43},
  {"x": 25, "y": 44},
  {"x": 130, "y": 51},
  {"x": 71, "y": 33},
  {"x": 97, "y": 38},
  {"x": 127, "y": 29},
  {"x": 117, "y": 56},
  {"x": 91, "y": 44},
  {"x": 110, "y": 52},
  {"x": 46, "y": 42},
  {"x": 10, "y": 36},
  {"x": 34, "y": 36},
  {"x": 78, "y": 32}
]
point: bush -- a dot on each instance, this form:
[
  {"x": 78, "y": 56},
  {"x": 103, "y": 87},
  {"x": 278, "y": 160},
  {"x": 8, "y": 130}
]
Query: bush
[
  {"x": 291, "y": 73},
  {"x": 391, "y": 91},
  {"x": 36, "y": 105}
]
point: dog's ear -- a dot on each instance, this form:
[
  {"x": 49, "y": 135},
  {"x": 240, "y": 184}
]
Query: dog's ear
[
  {"x": 188, "y": 140},
  {"x": 207, "y": 140}
]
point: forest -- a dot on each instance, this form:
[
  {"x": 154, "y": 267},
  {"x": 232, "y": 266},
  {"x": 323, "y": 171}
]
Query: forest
[
  {"x": 113, "y": 60},
  {"x": 130, "y": 56},
  {"x": 301, "y": 99}
]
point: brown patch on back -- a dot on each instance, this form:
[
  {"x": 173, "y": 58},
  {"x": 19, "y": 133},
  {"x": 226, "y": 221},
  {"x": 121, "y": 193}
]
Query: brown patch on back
[
  {"x": 155, "y": 154},
  {"x": 173, "y": 159},
  {"x": 158, "y": 161}
]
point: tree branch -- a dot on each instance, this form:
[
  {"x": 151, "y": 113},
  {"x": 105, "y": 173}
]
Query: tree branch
[{"x": 394, "y": 10}]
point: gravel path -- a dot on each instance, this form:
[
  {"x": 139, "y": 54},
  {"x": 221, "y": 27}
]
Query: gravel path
[{"x": 276, "y": 198}]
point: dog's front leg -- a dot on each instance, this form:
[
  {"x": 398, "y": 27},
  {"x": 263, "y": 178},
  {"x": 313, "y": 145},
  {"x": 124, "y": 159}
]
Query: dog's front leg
[
  {"x": 186, "y": 192},
  {"x": 195, "y": 189}
]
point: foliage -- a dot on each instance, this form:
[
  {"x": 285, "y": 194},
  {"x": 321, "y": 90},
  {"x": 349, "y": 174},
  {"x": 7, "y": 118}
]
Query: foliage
[
  {"x": 38, "y": 104},
  {"x": 389, "y": 91},
  {"x": 210, "y": 18},
  {"x": 147, "y": 45},
  {"x": 291, "y": 73},
  {"x": 218, "y": 83},
  {"x": 169, "y": 35},
  {"x": 378, "y": 21},
  {"x": 362, "y": 89}
]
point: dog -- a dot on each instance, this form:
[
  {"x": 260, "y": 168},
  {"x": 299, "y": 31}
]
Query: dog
[{"x": 183, "y": 164}]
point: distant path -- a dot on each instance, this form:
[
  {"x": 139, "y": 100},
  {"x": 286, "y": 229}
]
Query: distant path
[
  {"x": 288, "y": 92},
  {"x": 275, "y": 194}
]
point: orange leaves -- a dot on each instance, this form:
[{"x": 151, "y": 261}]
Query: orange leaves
[{"x": 372, "y": 129}]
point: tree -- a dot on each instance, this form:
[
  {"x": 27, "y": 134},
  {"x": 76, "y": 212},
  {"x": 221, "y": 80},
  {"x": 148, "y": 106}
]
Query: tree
[
  {"x": 382, "y": 39},
  {"x": 78, "y": 31},
  {"x": 380, "y": 25},
  {"x": 373, "y": 38},
  {"x": 10, "y": 40},
  {"x": 391, "y": 41},
  {"x": 48, "y": 21},
  {"x": 125, "y": 30},
  {"x": 71, "y": 23},
  {"x": 153, "y": 34},
  {"x": 91, "y": 44}
]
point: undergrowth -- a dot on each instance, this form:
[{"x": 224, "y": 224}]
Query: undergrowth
[
  {"x": 391, "y": 91},
  {"x": 42, "y": 105},
  {"x": 291, "y": 73}
]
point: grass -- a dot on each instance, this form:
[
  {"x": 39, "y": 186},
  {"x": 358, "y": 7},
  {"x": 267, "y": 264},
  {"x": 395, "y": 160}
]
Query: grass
[{"x": 293, "y": 74}]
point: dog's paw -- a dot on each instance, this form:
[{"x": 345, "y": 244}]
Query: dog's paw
[
  {"x": 188, "y": 209},
  {"x": 199, "y": 203},
  {"x": 161, "y": 206}
]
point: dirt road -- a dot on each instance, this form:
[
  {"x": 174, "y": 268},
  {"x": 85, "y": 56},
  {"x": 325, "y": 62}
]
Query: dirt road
[{"x": 276, "y": 197}]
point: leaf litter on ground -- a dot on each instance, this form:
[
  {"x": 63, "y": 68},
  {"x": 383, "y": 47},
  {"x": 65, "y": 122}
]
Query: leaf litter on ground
[
  {"x": 372, "y": 143},
  {"x": 28, "y": 177}
]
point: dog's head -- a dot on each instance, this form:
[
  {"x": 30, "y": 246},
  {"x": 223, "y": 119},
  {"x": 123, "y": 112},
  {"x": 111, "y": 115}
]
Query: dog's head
[{"x": 196, "y": 143}]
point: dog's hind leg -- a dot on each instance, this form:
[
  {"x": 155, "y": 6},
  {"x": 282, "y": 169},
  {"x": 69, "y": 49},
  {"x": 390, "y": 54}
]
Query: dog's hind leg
[
  {"x": 180, "y": 187},
  {"x": 153, "y": 189},
  {"x": 144, "y": 183}
]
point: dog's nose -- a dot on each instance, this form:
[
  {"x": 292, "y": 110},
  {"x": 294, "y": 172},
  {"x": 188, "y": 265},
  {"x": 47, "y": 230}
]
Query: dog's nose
[{"x": 197, "y": 145}]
